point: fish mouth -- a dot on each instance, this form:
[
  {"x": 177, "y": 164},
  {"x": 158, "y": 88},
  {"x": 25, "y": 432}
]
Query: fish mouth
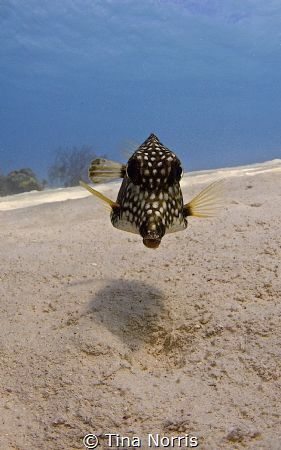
[
  {"x": 151, "y": 242},
  {"x": 151, "y": 238}
]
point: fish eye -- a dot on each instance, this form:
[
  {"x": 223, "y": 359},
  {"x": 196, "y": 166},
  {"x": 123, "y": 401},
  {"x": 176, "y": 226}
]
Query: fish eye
[
  {"x": 132, "y": 171},
  {"x": 176, "y": 173}
]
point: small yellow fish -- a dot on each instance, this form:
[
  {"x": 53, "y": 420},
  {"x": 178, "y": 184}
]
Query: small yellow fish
[{"x": 150, "y": 200}]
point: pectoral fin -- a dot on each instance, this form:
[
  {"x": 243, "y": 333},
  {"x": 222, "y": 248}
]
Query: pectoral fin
[
  {"x": 99, "y": 195},
  {"x": 207, "y": 203}
]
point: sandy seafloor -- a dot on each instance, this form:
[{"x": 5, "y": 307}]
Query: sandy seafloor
[{"x": 100, "y": 334}]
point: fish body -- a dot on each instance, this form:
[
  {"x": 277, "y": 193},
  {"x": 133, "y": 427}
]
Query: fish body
[{"x": 150, "y": 201}]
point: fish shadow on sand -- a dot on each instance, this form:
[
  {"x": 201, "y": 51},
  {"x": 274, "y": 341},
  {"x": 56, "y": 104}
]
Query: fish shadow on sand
[{"x": 131, "y": 310}]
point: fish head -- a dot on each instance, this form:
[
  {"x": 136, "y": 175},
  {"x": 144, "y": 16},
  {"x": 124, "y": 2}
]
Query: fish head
[{"x": 153, "y": 165}]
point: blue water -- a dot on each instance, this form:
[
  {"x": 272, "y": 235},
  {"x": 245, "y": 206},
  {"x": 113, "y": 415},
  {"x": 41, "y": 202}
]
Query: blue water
[{"x": 204, "y": 76}]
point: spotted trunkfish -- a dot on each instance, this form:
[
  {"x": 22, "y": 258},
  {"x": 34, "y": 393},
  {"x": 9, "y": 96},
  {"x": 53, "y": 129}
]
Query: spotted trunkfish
[{"x": 150, "y": 201}]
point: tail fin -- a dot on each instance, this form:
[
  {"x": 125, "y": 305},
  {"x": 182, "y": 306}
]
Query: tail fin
[
  {"x": 208, "y": 202},
  {"x": 102, "y": 170}
]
